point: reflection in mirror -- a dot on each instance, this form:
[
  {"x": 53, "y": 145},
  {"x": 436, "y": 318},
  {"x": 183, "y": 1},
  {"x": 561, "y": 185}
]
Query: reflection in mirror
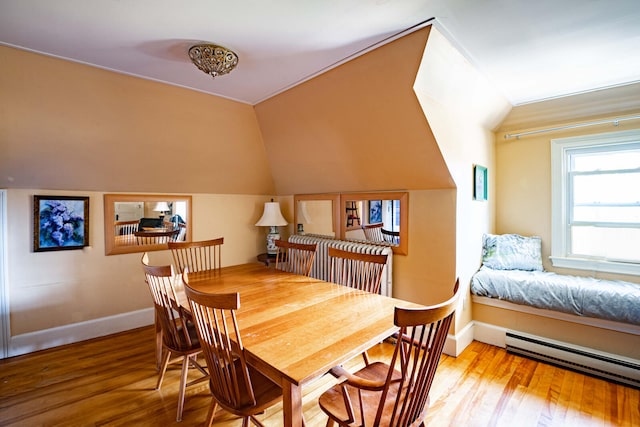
[
  {"x": 376, "y": 217},
  {"x": 140, "y": 222},
  {"x": 317, "y": 214}
]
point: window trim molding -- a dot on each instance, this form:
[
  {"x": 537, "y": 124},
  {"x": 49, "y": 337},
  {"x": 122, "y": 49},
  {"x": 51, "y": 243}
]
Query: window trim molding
[{"x": 559, "y": 211}]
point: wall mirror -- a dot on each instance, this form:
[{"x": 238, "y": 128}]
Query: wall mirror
[
  {"x": 378, "y": 217},
  {"x": 144, "y": 222},
  {"x": 317, "y": 214}
]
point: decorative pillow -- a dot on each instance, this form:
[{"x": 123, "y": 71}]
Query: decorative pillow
[{"x": 511, "y": 252}]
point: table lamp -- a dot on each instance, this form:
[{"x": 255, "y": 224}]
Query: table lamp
[
  {"x": 272, "y": 218},
  {"x": 302, "y": 217},
  {"x": 162, "y": 207}
]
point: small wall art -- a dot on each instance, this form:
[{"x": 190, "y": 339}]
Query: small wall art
[
  {"x": 60, "y": 223},
  {"x": 479, "y": 182},
  {"x": 375, "y": 211}
]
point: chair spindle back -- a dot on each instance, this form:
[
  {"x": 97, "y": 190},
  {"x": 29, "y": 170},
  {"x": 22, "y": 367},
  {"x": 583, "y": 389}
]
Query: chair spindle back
[
  {"x": 171, "y": 316},
  {"x": 373, "y": 232},
  {"x": 294, "y": 257},
  {"x": 155, "y": 238},
  {"x": 197, "y": 256},
  {"x": 356, "y": 270}
]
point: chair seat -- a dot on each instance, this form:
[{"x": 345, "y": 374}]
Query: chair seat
[
  {"x": 193, "y": 337},
  {"x": 332, "y": 401},
  {"x": 267, "y": 393}
]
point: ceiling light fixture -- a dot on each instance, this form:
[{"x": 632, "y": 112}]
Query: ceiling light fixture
[{"x": 213, "y": 59}]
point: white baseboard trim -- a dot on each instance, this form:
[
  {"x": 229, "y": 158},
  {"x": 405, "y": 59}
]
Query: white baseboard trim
[
  {"x": 489, "y": 334},
  {"x": 455, "y": 344},
  {"x": 40, "y": 340}
]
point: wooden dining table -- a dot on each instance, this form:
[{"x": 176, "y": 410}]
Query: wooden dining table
[{"x": 295, "y": 328}]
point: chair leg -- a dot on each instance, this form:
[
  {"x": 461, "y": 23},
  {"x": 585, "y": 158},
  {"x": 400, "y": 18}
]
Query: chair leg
[
  {"x": 158, "y": 344},
  {"x": 194, "y": 362},
  {"x": 183, "y": 386},
  {"x": 163, "y": 368},
  {"x": 253, "y": 419},
  {"x": 330, "y": 422},
  {"x": 212, "y": 412}
]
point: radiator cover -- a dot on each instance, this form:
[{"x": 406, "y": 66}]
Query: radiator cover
[
  {"x": 321, "y": 264},
  {"x": 600, "y": 364}
]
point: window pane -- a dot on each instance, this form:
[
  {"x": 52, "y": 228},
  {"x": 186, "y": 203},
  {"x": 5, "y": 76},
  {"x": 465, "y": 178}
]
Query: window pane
[
  {"x": 396, "y": 215},
  {"x": 623, "y": 214},
  {"x": 626, "y": 159},
  {"x": 621, "y": 244},
  {"x": 606, "y": 188}
]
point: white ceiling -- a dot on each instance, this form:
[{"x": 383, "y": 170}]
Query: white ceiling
[{"x": 529, "y": 49}]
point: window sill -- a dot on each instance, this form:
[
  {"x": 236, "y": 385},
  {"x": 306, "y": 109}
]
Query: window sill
[{"x": 596, "y": 265}]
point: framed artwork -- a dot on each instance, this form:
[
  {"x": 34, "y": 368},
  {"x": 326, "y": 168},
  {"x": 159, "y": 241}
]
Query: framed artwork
[
  {"x": 60, "y": 223},
  {"x": 479, "y": 182},
  {"x": 375, "y": 211}
]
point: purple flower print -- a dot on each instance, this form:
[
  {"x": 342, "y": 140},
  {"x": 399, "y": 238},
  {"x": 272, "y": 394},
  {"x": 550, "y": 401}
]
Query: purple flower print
[{"x": 61, "y": 223}]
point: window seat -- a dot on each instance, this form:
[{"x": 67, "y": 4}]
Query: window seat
[
  {"x": 610, "y": 325},
  {"x": 585, "y": 297}
]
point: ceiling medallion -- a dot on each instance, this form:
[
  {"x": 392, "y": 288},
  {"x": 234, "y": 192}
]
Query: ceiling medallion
[{"x": 212, "y": 59}]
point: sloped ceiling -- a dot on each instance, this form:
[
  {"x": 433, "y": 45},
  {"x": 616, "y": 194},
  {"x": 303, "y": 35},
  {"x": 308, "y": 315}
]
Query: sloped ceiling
[{"x": 358, "y": 127}]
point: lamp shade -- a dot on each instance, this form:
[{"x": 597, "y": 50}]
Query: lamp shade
[
  {"x": 271, "y": 216},
  {"x": 161, "y": 207},
  {"x": 303, "y": 216}
]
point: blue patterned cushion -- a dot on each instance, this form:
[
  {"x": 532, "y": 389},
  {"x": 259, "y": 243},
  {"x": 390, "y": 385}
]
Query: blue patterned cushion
[{"x": 511, "y": 252}]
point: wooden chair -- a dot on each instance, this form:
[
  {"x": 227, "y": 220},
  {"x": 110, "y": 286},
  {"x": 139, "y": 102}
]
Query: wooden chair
[
  {"x": 392, "y": 237},
  {"x": 122, "y": 228},
  {"x": 197, "y": 256},
  {"x": 378, "y": 394},
  {"x": 156, "y": 237},
  {"x": 236, "y": 387},
  {"x": 356, "y": 270},
  {"x": 123, "y": 232},
  {"x": 179, "y": 336},
  {"x": 294, "y": 257},
  {"x": 373, "y": 232}
]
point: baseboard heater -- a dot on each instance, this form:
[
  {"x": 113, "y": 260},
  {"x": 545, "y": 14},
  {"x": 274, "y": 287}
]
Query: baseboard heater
[{"x": 600, "y": 364}]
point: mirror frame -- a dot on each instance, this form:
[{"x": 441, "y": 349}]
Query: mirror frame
[
  {"x": 333, "y": 197},
  {"x": 110, "y": 247},
  {"x": 403, "y": 196}
]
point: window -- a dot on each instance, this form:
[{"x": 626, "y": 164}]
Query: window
[{"x": 596, "y": 202}]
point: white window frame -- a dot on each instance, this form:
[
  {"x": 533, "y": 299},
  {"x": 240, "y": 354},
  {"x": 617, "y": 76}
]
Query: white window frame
[{"x": 560, "y": 240}]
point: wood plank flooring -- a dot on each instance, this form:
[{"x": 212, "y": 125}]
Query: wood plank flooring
[{"x": 111, "y": 382}]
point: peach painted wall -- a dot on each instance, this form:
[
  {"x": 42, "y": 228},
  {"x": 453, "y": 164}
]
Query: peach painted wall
[
  {"x": 70, "y": 126},
  {"x": 54, "y": 289},
  {"x": 358, "y": 127}
]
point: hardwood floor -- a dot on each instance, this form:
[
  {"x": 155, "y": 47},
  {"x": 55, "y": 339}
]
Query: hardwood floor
[{"x": 110, "y": 382}]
